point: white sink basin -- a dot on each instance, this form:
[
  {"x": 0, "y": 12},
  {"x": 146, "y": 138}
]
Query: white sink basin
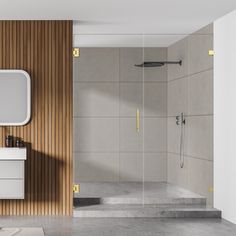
[{"x": 12, "y": 153}]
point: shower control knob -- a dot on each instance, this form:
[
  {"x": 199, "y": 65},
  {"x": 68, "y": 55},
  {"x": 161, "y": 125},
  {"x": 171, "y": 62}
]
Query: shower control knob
[{"x": 177, "y": 120}]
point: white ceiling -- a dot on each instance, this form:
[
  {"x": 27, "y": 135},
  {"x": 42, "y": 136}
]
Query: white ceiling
[{"x": 122, "y": 16}]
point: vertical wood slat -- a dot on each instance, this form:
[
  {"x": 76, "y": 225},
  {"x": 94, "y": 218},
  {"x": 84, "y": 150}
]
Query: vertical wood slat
[{"x": 43, "y": 49}]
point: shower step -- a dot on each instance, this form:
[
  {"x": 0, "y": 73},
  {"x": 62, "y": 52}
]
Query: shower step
[
  {"x": 135, "y": 193},
  {"x": 78, "y": 201},
  {"x": 146, "y": 211}
]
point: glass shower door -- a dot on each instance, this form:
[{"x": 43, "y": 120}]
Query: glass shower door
[
  {"x": 130, "y": 139},
  {"x": 108, "y": 108}
]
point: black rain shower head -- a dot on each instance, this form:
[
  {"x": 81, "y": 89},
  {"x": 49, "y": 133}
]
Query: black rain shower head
[{"x": 158, "y": 63}]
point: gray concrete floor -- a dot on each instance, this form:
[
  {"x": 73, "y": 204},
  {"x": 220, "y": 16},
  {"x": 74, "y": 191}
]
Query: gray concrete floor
[{"x": 67, "y": 226}]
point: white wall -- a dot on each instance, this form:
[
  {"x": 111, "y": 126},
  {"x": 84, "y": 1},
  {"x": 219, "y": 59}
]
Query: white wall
[{"x": 225, "y": 116}]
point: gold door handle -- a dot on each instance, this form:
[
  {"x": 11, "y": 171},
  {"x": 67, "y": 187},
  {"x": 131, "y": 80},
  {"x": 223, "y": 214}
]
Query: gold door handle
[{"x": 137, "y": 120}]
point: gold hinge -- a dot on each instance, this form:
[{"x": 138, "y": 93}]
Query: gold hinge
[
  {"x": 76, "y": 52},
  {"x": 211, "y": 52},
  {"x": 76, "y": 188}
]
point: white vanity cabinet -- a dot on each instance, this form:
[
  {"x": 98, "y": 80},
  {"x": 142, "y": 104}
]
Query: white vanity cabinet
[{"x": 12, "y": 177}]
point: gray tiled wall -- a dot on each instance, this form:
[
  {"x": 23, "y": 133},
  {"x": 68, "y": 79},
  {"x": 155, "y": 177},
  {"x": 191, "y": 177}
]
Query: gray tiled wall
[
  {"x": 107, "y": 91},
  {"x": 190, "y": 90}
]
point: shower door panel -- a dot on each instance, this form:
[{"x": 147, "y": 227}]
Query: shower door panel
[{"x": 108, "y": 118}]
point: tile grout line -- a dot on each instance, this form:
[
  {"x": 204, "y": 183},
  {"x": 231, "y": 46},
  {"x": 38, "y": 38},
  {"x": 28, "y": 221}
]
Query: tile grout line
[
  {"x": 194, "y": 157},
  {"x": 200, "y": 115},
  {"x": 188, "y": 76}
]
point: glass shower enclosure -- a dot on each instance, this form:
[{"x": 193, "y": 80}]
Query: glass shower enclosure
[{"x": 143, "y": 118}]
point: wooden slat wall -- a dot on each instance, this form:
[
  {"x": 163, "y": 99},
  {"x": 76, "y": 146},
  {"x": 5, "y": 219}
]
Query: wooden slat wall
[{"x": 44, "y": 50}]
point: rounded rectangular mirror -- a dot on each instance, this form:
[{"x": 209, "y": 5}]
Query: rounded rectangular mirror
[{"x": 15, "y": 108}]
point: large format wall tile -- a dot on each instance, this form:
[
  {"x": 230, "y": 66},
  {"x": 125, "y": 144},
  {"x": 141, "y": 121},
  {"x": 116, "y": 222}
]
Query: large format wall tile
[
  {"x": 131, "y": 167},
  {"x": 175, "y": 174},
  {"x": 199, "y": 60},
  {"x": 176, "y": 52},
  {"x": 200, "y": 136},
  {"x": 155, "y": 135},
  {"x": 200, "y": 93},
  {"x": 97, "y": 64},
  {"x": 149, "y": 167},
  {"x": 200, "y": 175},
  {"x": 155, "y": 99},
  {"x": 155, "y": 167},
  {"x": 155, "y": 74},
  {"x": 130, "y": 140},
  {"x": 177, "y": 97},
  {"x": 128, "y": 58},
  {"x": 96, "y": 167},
  {"x": 96, "y": 134},
  {"x": 174, "y": 136},
  {"x": 131, "y": 98},
  {"x": 96, "y": 99},
  {"x": 197, "y": 175}
]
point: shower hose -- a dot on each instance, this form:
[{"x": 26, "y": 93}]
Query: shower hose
[{"x": 181, "y": 146}]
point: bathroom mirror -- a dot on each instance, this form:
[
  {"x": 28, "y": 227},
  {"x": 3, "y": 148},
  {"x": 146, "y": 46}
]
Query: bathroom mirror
[{"x": 15, "y": 108}]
